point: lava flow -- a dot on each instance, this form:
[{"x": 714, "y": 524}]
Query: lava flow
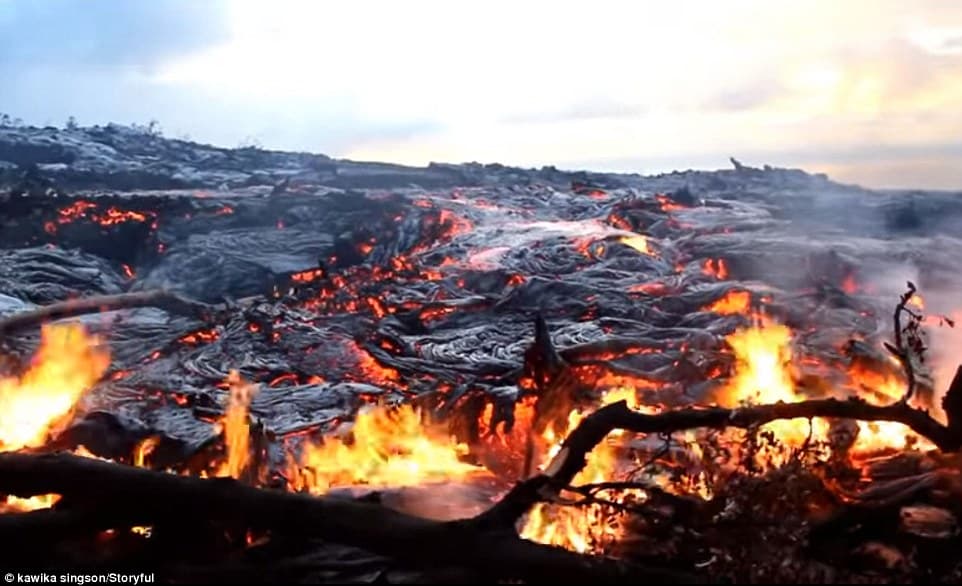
[{"x": 449, "y": 342}]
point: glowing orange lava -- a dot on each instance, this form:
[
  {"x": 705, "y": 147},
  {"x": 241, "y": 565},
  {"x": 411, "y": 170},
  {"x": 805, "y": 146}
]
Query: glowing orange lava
[
  {"x": 715, "y": 268},
  {"x": 667, "y": 204},
  {"x": 732, "y": 303},
  {"x": 638, "y": 242}
]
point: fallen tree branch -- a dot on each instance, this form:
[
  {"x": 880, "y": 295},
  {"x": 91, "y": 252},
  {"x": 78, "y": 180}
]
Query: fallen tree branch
[
  {"x": 901, "y": 350},
  {"x": 127, "y": 496},
  {"x": 592, "y": 430},
  {"x": 165, "y": 300},
  {"x": 596, "y": 426}
]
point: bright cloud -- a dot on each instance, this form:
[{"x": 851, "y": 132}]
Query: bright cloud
[{"x": 859, "y": 88}]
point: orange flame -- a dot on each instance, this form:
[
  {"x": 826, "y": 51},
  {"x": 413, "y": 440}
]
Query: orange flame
[
  {"x": 237, "y": 426},
  {"x": 389, "y": 447},
  {"x": 581, "y": 529},
  {"x": 143, "y": 449},
  {"x": 15, "y": 504},
  {"x": 68, "y": 362},
  {"x": 917, "y": 302},
  {"x": 763, "y": 374},
  {"x": 878, "y": 436}
]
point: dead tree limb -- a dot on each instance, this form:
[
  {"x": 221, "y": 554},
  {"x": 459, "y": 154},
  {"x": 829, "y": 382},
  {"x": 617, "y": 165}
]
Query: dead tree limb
[
  {"x": 901, "y": 350},
  {"x": 165, "y": 300},
  {"x": 127, "y": 496},
  {"x": 592, "y": 430}
]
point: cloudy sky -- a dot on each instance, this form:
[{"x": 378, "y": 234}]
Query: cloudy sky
[{"x": 869, "y": 91}]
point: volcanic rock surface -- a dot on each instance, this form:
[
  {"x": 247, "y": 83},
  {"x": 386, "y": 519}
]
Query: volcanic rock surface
[{"x": 359, "y": 280}]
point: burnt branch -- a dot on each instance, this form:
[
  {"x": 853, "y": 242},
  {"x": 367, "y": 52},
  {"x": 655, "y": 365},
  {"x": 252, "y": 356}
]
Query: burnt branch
[
  {"x": 124, "y": 496},
  {"x": 592, "y": 430},
  {"x": 596, "y": 426},
  {"x": 165, "y": 300},
  {"x": 901, "y": 349}
]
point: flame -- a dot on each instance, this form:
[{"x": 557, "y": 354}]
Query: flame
[
  {"x": 388, "y": 447},
  {"x": 68, "y": 362},
  {"x": 917, "y": 302},
  {"x": 879, "y": 436},
  {"x": 763, "y": 374},
  {"x": 15, "y": 504},
  {"x": 638, "y": 242},
  {"x": 237, "y": 426},
  {"x": 733, "y": 302},
  {"x": 581, "y": 529},
  {"x": 143, "y": 449}
]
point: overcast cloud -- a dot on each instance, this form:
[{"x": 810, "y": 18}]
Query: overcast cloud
[{"x": 867, "y": 90}]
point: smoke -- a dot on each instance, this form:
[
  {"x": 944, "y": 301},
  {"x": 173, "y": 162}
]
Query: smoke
[
  {"x": 443, "y": 501},
  {"x": 941, "y": 306}
]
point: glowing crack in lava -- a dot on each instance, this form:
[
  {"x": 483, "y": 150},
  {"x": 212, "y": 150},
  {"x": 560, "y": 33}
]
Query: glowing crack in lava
[
  {"x": 733, "y": 302},
  {"x": 638, "y": 242},
  {"x": 388, "y": 447},
  {"x": 32, "y": 405}
]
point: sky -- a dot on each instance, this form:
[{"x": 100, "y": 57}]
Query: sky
[{"x": 869, "y": 91}]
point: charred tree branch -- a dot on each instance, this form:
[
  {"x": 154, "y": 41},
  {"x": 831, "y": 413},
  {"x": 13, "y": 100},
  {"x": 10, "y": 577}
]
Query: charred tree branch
[
  {"x": 901, "y": 350},
  {"x": 127, "y": 496},
  {"x": 592, "y": 430},
  {"x": 165, "y": 300}
]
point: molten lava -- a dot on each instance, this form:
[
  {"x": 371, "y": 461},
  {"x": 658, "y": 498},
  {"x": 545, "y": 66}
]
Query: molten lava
[
  {"x": 36, "y": 403},
  {"x": 732, "y": 303},
  {"x": 87, "y": 210},
  {"x": 715, "y": 268},
  {"x": 638, "y": 242},
  {"x": 667, "y": 204}
]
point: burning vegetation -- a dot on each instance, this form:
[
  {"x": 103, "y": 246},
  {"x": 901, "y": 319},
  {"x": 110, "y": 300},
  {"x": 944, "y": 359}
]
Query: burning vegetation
[{"x": 669, "y": 417}]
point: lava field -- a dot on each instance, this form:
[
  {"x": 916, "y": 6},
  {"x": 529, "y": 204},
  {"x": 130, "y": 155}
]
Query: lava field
[{"x": 422, "y": 341}]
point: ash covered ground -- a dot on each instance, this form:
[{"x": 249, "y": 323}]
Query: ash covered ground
[{"x": 342, "y": 282}]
